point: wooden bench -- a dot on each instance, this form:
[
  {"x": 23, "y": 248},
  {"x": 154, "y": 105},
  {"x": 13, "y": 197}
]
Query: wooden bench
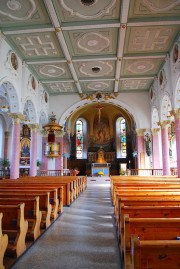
[
  {"x": 148, "y": 193},
  {"x": 154, "y": 254},
  {"x": 3, "y": 243},
  {"x": 38, "y": 186},
  {"x": 67, "y": 185},
  {"x": 44, "y": 204},
  {"x": 54, "y": 201},
  {"x": 31, "y": 213},
  {"x": 147, "y": 229},
  {"x": 16, "y": 227}
]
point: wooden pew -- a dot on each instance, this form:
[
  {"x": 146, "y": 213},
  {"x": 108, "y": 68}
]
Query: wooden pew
[
  {"x": 54, "y": 201},
  {"x": 148, "y": 229},
  {"x": 3, "y": 243},
  {"x": 147, "y": 193},
  {"x": 31, "y": 213},
  {"x": 44, "y": 204},
  {"x": 39, "y": 186},
  {"x": 154, "y": 254},
  {"x": 16, "y": 227},
  {"x": 48, "y": 181}
]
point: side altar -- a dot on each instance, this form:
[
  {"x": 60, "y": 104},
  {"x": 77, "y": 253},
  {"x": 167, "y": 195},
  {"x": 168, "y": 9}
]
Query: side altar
[{"x": 100, "y": 165}]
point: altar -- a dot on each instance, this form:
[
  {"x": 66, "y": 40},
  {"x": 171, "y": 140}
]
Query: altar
[
  {"x": 101, "y": 167},
  {"x": 97, "y": 168}
]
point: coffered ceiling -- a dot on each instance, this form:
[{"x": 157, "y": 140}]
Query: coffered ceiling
[{"x": 86, "y": 46}]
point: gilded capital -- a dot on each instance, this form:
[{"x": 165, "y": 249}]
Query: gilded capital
[
  {"x": 155, "y": 131},
  {"x": 140, "y": 132},
  {"x": 44, "y": 133},
  {"x": 164, "y": 123},
  {"x": 33, "y": 127},
  {"x": 16, "y": 117},
  {"x": 176, "y": 113}
]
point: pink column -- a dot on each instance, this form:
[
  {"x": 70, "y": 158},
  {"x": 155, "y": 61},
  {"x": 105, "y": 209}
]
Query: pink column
[
  {"x": 177, "y": 131},
  {"x": 141, "y": 148},
  {"x": 44, "y": 165},
  {"x": 155, "y": 147},
  {"x": 33, "y": 150},
  {"x": 165, "y": 148},
  {"x": 15, "y": 144},
  {"x": 6, "y": 140}
]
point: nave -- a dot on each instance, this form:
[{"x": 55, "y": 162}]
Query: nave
[{"x": 84, "y": 236}]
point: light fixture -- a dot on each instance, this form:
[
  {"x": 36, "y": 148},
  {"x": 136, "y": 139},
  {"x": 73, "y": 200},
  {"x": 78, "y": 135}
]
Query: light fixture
[{"x": 5, "y": 108}]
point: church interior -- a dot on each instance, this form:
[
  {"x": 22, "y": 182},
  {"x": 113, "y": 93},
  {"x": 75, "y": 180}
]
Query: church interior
[{"x": 89, "y": 134}]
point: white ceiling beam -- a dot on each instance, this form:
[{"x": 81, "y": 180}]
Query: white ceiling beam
[
  {"x": 153, "y": 23},
  {"x": 44, "y": 81},
  {"x": 135, "y": 78},
  {"x": 29, "y": 31},
  {"x": 50, "y": 61},
  {"x": 90, "y": 26},
  {"x": 96, "y": 79},
  {"x": 121, "y": 41},
  {"x": 62, "y": 42}
]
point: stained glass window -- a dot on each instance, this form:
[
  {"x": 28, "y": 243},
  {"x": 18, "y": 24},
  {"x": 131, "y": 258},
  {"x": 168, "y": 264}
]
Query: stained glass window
[
  {"x": 79, "y": 139},
  {"x": 121, "y": 137}
]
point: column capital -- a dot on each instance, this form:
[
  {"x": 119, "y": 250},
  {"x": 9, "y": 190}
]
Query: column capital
[
  {"x": 34, "y": 126},
  {"x": 44, "y": 133},
  {"x": 164, "y": 123},
  {"x": 59, "y": 133},
  {"x": 140, "y": 132},
  {"x": 176, "y": 113},
  {"x": 155, "y": 131},
  {"x": 16, "y": 117}
]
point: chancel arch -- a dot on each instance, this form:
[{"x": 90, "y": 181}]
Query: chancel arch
[{"x": 99, "y": 121}]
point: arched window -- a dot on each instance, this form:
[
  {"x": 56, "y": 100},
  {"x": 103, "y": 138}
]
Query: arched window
[
  {"x": 121, "y": 137},
  {"x": 79, "y": 139}
]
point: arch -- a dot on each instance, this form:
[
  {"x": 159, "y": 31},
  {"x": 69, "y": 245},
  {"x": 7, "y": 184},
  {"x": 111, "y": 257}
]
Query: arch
[
  {"x": 154, "y": 118},
  {"x": 9, "y": 93},
  {"x": 29, "y": 111},
  {"x": 85, "y": 103},
  {"x": 177, "y": 94},
  {"x": 166, "y": 107},
  {"x": 43, "y": 118}
]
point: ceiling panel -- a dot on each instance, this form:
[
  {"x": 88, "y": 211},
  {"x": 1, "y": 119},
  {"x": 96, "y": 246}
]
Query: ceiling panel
[
  {"x": 87, "y": 46},
  {"x": 92, "y": 42},
  {"x": 79, "y": 10},
  {"x": 134, "y": 84},
  {"x": 52, "y": 71},
  {"x": 141, "y": 67}
]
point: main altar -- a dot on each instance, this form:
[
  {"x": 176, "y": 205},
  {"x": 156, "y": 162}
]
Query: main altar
[{"x": 100, "y": 167}]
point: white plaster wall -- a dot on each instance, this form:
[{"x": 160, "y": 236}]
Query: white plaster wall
[{"x": 137, "y": 104}]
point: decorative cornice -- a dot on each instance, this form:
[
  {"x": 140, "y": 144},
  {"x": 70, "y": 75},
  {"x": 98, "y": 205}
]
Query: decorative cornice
[
  {"x": 155, "y": 131},
  {"x": 140, "y": 132},
  {"x": 44, "y": 133},
  {"x": 16, "y": 117},
  {"x": 33, "y": 127},
  {"x": 164, "y": 123},
  {"x": 176, "y": 113}
]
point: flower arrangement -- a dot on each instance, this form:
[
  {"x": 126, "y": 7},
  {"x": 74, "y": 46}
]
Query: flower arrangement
[{"x": 100, "y": 173}]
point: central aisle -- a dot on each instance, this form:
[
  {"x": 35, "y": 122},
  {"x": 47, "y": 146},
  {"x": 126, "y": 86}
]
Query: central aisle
[{"x": 83, "y": 237}]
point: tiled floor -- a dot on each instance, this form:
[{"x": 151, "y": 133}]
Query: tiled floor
[{"x": 83, "y": 237}]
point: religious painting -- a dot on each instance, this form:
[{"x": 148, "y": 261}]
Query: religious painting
[
  {"x": 33, "y": 83},
  {"x": 176, "y": 53},
  {"x": 25, "y": 130},
  {"x": 14, "y": 61},
  {"x": 101, "y": 131},
  {"x": 25, "y": 147}
]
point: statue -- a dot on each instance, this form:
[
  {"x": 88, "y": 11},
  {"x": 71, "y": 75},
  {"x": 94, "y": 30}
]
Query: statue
[{"x": 101, "y": 156}]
